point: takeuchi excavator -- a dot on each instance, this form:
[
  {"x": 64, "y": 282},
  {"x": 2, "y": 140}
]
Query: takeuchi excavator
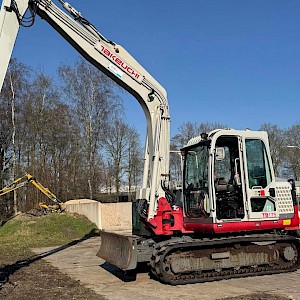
[{"x": 231, "y": 219}]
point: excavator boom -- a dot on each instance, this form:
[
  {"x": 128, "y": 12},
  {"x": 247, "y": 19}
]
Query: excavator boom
[
  {"x": 120, "y": 66},
  {"x": 9, "y": 27}
]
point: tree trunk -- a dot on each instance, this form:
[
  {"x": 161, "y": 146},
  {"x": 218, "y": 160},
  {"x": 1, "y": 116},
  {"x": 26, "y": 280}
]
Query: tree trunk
[{"x": 13, "y": 142}]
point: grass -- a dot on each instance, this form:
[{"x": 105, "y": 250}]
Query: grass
[
  {"x": 24, "y": 232},
  {"x": 23, "y": 275}
]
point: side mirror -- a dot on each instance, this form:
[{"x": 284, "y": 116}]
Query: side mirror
[{"x": 220, "y": 153}]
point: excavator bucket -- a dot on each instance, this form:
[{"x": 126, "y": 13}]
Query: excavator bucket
[{"x": 119, "y": 250}]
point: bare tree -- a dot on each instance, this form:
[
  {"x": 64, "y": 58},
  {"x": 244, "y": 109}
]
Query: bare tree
[
  {"x": 186, "y": 132},
  {"x": 123, "y": 154},
  {"x": 63, "y": 159},
  {"x": 134, "y": 160},
  {"x": 13, "y": 92},
  {"x": 95, "y": 102},
  {"x": 13, "y": 122},
  {"x": 277, "y": 144},
  {"x": 292, "y": 155},
  {"x": 14, "y": 87}
]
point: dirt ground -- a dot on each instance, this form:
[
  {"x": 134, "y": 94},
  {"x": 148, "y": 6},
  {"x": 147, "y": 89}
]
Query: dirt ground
[
  {"x": 260, "y": 296},
  {"x": 33, "y": 278},
  {"x": 30, "y": 279}
]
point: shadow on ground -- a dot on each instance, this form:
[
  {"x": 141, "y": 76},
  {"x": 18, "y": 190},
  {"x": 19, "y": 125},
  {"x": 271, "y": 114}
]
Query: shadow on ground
[
  {"x": 7, "y": 270},
  {"x": 126, "y": 276}
]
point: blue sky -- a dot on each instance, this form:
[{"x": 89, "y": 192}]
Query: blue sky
[{"x": 228, "y": 61}]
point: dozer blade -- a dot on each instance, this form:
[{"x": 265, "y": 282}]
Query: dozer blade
[{"x": 119, "y": 250}]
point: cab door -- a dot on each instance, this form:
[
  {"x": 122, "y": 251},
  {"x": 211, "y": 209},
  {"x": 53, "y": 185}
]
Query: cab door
[
  {"x": 228, "y": 189},
  {"x": 259, "y": 180}
]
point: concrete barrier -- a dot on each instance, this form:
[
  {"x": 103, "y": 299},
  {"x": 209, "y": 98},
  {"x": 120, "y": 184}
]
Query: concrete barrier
[{"x": 115, "y": 217}]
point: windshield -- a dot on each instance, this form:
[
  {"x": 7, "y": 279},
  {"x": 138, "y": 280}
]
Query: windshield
[
  {"x": 196, "y": 168},
  {"x": 196, "y": 180}
]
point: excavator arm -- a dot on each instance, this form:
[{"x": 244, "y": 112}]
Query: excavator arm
[
  {"x": 43, "y": 189},
  {"x": 16, "y": 184},
  {"x": 113, "y": 60},
  {"x": 28, "y": 178}
]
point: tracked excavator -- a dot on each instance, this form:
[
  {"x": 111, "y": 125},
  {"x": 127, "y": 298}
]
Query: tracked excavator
[{"x": 231, "y": 219}]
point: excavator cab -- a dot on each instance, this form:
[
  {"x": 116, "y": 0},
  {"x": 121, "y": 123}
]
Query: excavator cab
[
  {"x": 214, "y": 182},
  {"x": 229, "y": 181}
]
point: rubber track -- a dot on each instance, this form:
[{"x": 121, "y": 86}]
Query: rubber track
[{"x": 163, "y": 249}]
